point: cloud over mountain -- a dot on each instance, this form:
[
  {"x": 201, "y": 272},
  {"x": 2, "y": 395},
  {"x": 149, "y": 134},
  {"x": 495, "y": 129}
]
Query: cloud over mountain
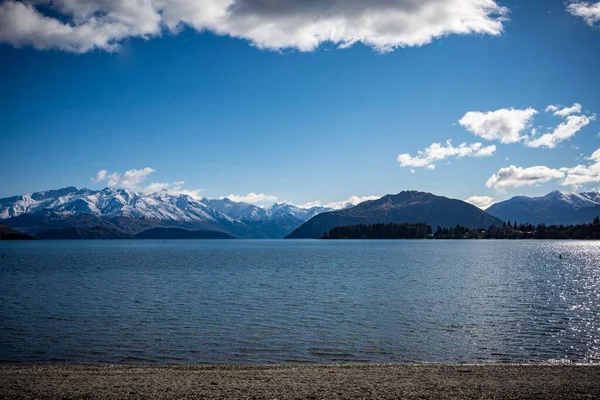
[
  {"x": 440, "y": 151},
  {"x": 83, "y": 25},
  {"x": 513, "y": 177},
  {"x": 482, "y": 202},
  {"x": 133, "y": 179},
  {"x": 253, "y": 198}
]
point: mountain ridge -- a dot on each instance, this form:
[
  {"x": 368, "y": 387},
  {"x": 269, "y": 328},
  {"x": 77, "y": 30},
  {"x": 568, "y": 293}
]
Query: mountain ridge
[
  {"x": 71, "y": 207},
  {"x": 408, "y": 206},
  {"x": 556, "y": 207}
]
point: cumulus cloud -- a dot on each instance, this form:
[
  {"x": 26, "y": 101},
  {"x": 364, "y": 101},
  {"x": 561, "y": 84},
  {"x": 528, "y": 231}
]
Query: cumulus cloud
[
  {"x": 83, "y": 25},
  {"x": 513, "y": 177},
  {"x": 133, "y": 180},
  {"x": 563, "y": 112},
  {"x": 437, "y": 152},
  {"x": 100, "y": 176},
  {"x": 91, "y": 24},
  {"x": 482, "y": 202},
  {"x": 352, "y": 201},
  {"x": 253, "y": 198},
  {"x": 338, "y": 205},
  {"x": 583, "y": 174},
  {"x": 310, "y": 204},
  {"x": 589, "y": 11},
  {"x": 506, "y": 125},
  {"x": 173, "y": 189},
  {"x": 509, "y": 125},
  {"x": 564, "y": 131},
  {"x": 130, "y": 180}
]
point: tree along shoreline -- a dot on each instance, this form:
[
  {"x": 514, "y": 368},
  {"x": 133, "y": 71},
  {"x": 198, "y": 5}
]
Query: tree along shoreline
[{"x": 509, "y": 230}]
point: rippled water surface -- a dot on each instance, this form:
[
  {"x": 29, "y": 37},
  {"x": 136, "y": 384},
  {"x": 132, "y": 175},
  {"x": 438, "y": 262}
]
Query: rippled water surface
[{"x": 243, "y": 301}]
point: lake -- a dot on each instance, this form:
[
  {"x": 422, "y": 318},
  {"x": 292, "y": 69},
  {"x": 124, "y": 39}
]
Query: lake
[{"x": 299, "y": 301}]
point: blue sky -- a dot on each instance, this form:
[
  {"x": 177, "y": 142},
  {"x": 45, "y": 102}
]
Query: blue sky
[{"x": 232, "y": 111}]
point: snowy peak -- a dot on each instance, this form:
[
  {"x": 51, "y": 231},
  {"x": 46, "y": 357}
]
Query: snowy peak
[
  {"x": 236, "y": 210},
  {"x": 109, "y": 202},
  {"x": 242, "y": 219},
  {"x": 251, "y": 213},
  {"x": 557, "y": 207},
  {"x": 280, "y": 209},
  {"x": 576, "y": 201}
]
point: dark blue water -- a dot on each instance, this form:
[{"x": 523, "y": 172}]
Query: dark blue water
[{"x": 299, "y": 301}]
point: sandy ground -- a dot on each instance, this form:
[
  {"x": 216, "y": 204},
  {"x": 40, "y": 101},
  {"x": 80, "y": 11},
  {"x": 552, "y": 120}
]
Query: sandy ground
[{"x": 301, "y": 382}]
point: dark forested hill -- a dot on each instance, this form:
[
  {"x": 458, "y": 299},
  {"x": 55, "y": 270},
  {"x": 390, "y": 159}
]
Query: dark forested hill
[
  {"x": 177, "y": 233},
  {"x": 406, "y": 206}
]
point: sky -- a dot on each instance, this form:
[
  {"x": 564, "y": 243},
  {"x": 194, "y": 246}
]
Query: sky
[{"x": 308, "y": 102}]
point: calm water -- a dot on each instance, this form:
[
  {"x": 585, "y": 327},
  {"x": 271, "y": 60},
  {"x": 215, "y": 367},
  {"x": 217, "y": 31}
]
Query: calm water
[{"x": 299, "y": 301}]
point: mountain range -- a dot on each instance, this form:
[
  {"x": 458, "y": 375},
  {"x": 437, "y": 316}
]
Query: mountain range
[
  {"x": 406, "y": 206},
  {"x": 118, "y": 213},
  {"x": 556, "y": 207}
]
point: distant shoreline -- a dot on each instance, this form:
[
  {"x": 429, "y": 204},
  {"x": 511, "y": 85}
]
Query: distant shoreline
[{"x": 409, "y": 381}]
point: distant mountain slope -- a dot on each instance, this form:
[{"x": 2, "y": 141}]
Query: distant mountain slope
[
  {"x": 406, "y": 206},
  {"x": 554, "y": 208},
  {"x": 129, "y": 213},
  {"x": 9, "y": 234},
  {"x": 178, "y": 233},
  {"x": 94, "y": 232}
]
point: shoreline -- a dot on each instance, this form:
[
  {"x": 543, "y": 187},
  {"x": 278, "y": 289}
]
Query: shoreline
[{"x": 301, "y": 381}]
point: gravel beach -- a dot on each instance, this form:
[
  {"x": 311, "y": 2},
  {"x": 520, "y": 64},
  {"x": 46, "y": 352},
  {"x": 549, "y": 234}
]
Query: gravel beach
[{"x": 406, "y": 381}]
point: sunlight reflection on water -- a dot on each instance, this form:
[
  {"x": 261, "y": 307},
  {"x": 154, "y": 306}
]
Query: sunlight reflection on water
[{"x": 300, "y": 301}]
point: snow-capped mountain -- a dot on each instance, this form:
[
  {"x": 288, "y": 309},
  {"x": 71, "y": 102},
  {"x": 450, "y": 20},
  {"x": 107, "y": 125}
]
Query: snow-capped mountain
[
  {"x": 558, "y": 207},
  {"x": 110, "y": 202},
  {"x": 251, "y": 213},
  {"x": 239, "y": 211},
  {"x": 238, "y": 219},
  {"x": 282, "y": 209}
]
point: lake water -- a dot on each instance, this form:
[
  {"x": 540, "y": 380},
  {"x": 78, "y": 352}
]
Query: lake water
[{"x": 305, "y": 301}]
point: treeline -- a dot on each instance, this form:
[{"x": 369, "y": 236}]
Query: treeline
[
  {"x": 523, "y": 231},
  {"x": 380, "y": 231},
  {"x": 509, "y": 230}
]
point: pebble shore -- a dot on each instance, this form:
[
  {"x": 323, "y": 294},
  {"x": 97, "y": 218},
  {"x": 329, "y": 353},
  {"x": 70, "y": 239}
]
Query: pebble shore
[{"x": 398, "y": 381}]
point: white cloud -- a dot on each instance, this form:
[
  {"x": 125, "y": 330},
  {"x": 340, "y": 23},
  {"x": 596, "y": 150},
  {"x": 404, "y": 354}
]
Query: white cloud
[
  {"x": 506, "y": 125},
  {"x": 438, "y": 152},
  {"x": 310, "y": 204},
  {"x": 100, "y": 176},
  {"x": 134, "y": 178},
  {"x": 352, "y": 201},
  {"x": 589, "y": 11},
  {"x": 563, "y": 131},
  {"x": 130, "y": 180},
  {"x": 338, "y": 205},
  {"x": 173, "y": 189},
  {"x": 253, "y": 198},
  {"x": 100, "y": 24},
  {"x": 563, "y": 112},
  {"x": 513, "y": 177},
  {"x": 583, "y": 174},
  {"x": 482, "y": 202},
  {"x": 83, "y": 25}
]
